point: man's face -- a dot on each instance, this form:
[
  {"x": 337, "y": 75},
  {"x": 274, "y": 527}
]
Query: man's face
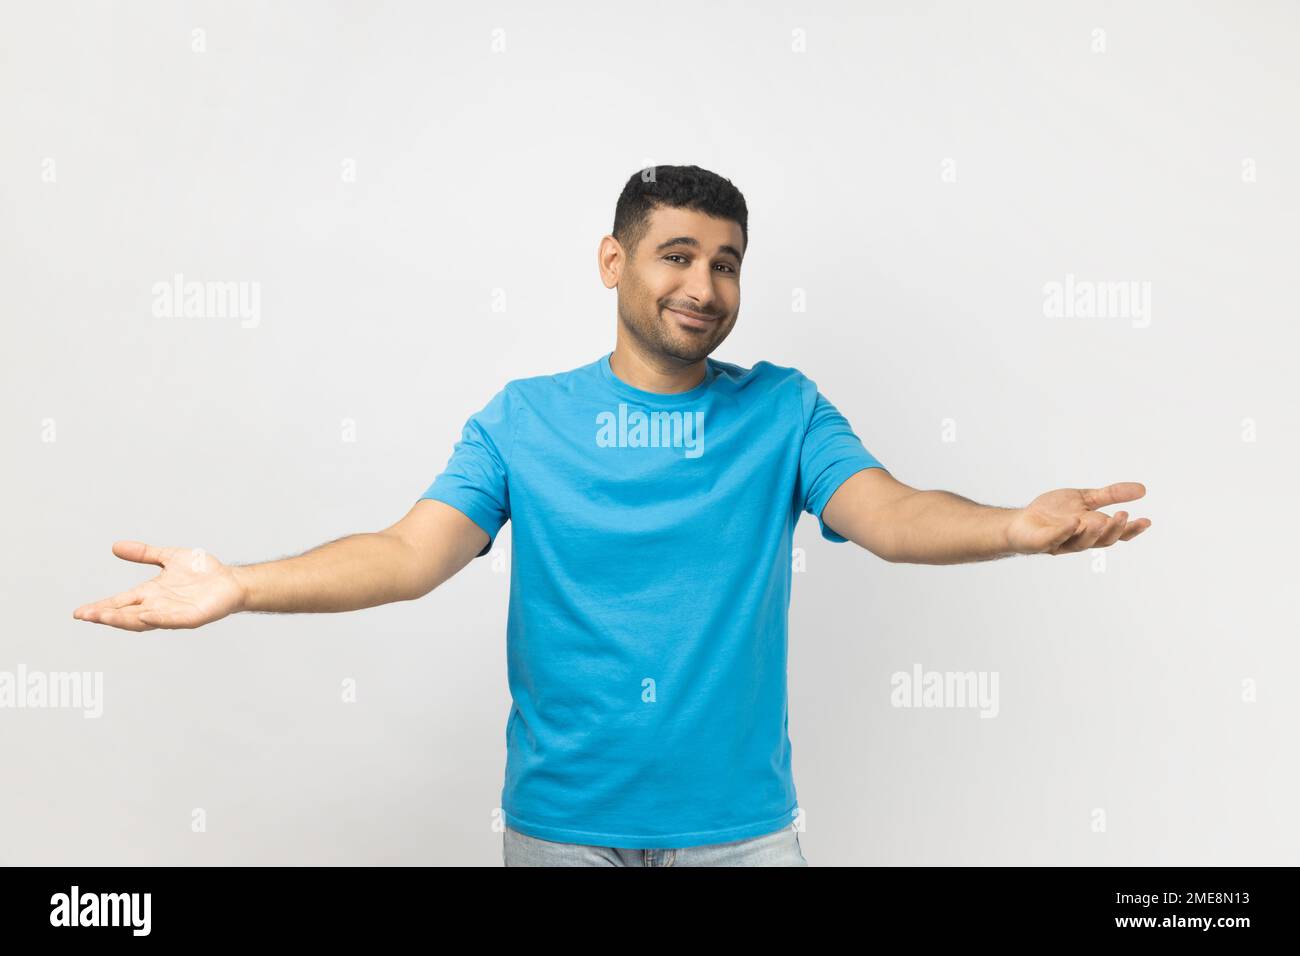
[{"x": 686, "y": 261}]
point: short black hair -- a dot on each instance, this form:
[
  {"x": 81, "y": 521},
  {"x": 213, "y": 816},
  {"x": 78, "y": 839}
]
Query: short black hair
[{"x": 679, "y": 187}]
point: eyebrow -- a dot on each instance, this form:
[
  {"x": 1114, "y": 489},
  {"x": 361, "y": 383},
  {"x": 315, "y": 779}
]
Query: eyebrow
[{"x": 694, "y": 244}]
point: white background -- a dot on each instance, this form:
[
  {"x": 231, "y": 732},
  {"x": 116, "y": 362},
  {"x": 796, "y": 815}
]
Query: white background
[{"x": 489, "y": 145}]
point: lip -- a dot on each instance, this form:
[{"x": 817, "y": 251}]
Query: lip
[{"x": 694, "y": 320}]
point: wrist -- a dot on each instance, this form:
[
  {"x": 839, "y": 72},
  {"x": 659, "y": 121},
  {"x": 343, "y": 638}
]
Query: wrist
[
  {"x": 244, "y": 583},
  {"x": 1009, "y": 517}
]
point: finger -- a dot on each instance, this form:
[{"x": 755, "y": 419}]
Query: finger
[
  {"x": 1066, "y": 536},
  {"x": 122, "y": 599},
  {"x": 126, "y": 618},
  {"x": 1096, "y": 498},
  {"x": 160, "y": 618},
  {"x": 1066, "y": 533},
  {"x": 1135, "y": 528},
  {"x": 141, "y": 552},
  {"x": 1090, "y": 531},
  {"x": 1114, "y": 528}
]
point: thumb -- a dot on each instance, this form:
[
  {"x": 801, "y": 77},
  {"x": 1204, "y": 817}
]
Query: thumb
[{"x": 140, "y": 552}]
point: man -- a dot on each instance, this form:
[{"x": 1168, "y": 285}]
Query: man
[{"x": 654, "y": 494}]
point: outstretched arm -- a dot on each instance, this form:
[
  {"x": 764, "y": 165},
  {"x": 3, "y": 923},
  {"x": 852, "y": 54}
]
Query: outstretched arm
[
  {"x": 400, "y": 563},
  {"x": 901, "y": 524}
]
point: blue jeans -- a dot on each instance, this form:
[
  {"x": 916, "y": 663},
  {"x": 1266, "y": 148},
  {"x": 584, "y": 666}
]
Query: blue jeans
[{"x": 771, "y": 849}]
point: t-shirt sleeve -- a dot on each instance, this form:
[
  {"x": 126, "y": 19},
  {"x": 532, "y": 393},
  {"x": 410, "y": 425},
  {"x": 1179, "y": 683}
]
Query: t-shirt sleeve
[
  {"x": 475, "y": 481},
  {"x": 831, "y": 453}
]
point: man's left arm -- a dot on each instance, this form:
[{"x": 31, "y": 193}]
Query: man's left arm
[{"x": 904, "y": 525}]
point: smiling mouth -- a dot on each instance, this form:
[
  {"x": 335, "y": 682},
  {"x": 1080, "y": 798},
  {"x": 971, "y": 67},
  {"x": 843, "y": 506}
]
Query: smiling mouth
[{"x": 693, "y": 320}]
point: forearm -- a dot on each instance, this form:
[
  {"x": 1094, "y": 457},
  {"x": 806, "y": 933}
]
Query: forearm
[
  {"x": 939, "y": 527},
  {"x": 359, "y": 571}
]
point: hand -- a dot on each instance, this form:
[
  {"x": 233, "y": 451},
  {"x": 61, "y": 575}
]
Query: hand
[
  {"x": 193, "y": 589},
  {"x": 1066, "y": 521}
]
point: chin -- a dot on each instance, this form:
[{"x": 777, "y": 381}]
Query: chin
[{"x": 696, "y": 353}]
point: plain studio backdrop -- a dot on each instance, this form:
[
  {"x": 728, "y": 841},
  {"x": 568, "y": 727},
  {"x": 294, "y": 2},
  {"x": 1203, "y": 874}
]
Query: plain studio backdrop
[{"x": 416, "y": 195}]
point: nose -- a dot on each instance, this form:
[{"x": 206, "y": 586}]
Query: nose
[{"x": 698, "y": 288}]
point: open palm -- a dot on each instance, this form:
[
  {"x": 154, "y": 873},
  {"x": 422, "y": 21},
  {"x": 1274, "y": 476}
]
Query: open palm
[
  {"x": 1067, "y": 520},
  {"x": 193, "y": 589}
]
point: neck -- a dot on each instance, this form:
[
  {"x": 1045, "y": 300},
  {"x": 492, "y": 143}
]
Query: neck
[{"x": 654, "y": 373}]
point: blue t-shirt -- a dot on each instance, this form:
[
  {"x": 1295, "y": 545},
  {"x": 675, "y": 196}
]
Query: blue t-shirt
[{"x": 650, "y": 593}]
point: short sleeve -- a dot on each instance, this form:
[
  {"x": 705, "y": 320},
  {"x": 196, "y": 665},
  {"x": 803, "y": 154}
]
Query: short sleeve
[
  {"x": 475, "y": 479},
  {"x": 831, "y": 453}
]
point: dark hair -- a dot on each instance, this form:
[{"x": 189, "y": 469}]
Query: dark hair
[{"x": 680, "y": 187}]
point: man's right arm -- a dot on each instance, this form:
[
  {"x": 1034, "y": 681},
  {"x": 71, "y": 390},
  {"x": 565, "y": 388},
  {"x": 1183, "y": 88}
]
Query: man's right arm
[{"x": 401, "y": 563}]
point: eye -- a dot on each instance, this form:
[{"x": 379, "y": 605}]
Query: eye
[{"x": 677, "y": 255}]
